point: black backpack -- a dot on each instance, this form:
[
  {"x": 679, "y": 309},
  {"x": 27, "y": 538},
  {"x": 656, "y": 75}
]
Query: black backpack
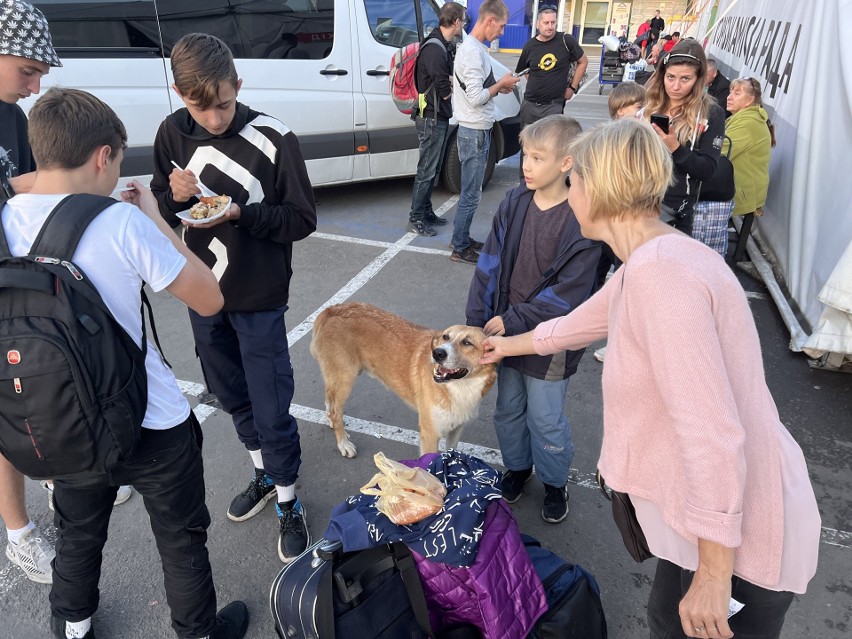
[
  {"x": 574, "y": 609},
  {"x": 73, "y": 384}
]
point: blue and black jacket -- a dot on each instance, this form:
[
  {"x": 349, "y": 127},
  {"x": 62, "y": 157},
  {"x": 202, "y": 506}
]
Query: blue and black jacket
[{"x": 568, "y": 282}]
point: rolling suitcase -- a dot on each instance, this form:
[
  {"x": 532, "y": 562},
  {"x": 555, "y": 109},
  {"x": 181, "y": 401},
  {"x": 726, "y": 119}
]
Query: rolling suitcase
[{"x": 369, "y": 594}]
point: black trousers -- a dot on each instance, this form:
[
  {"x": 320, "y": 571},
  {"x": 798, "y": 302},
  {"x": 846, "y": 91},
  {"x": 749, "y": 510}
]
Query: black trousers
[
  {"x": 761, "y": 617},
  {"x": 167, "y": 471}
]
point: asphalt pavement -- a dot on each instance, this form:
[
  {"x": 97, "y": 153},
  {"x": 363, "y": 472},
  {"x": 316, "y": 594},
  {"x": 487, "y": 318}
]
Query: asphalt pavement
[{"x": 362, "y": 252}]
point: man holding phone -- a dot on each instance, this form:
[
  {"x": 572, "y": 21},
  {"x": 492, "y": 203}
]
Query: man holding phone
[{"x": 549, "y": 57}]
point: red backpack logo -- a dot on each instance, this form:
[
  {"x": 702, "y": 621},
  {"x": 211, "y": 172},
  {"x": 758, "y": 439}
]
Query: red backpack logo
[{"x": 402, "y": 80}]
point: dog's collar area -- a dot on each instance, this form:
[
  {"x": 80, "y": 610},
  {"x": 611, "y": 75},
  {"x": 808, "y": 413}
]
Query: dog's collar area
[{"x": 443, "y": 374}]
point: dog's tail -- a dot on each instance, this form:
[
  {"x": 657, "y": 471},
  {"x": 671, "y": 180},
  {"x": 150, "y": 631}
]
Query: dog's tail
[{"x": 319, "y": 326}]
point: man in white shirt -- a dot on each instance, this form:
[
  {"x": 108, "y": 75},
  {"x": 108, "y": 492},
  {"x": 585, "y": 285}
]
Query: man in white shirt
[
  {"x": 474, "y": 88},
  {"x": 78, "y": 143}
]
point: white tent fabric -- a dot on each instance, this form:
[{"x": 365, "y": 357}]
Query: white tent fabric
[
  {"x": 797, "y": 51},
  {"x": 833, "y": 332}
]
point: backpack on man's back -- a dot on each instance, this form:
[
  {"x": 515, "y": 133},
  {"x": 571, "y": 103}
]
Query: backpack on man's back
[
  {"x": 403, "y": 75},
  {"x": 73, "y": 383}
]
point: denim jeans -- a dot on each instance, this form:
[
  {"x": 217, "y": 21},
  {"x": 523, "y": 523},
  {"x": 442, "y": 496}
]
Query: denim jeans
[
  {"x": 532, "y": 427},
  {"x": 473, "y": 154},
  {"x": 166, "y": 469},
  {"x": 247, "y": 366},
  {"x": 432, "y": 133},
  {"x": 761, "y": 618}
]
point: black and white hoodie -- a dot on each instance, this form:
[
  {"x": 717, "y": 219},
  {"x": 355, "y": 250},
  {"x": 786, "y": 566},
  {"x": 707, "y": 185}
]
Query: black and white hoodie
[{"x": 258, "y": 163}]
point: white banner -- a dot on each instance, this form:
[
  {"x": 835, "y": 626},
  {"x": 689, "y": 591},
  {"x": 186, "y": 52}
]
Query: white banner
[{"x": 798, "y": 52}]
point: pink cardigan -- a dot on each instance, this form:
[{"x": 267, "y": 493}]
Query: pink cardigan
[{"x": 689, "y": 423}]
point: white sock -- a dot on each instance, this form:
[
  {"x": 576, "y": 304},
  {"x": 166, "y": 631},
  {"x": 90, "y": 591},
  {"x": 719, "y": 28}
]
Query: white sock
[
  {"x": 77, "y": 629},
  {"x": 286, "y": 493},
  {"x": 15, "y": 535},
  {"x": 256, "y": 458}
]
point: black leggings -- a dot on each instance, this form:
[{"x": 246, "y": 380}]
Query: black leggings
[{"x": 761, "y": 617}]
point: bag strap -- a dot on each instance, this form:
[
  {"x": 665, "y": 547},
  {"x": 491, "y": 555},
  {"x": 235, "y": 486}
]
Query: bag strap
[
  {"x": 5, "y": 253},
  {"x": 60, "y": 234},
  {"x": 413, "y": 586}
]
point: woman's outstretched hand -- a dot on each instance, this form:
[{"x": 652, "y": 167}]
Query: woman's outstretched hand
[{"x": 493, "y": 350}]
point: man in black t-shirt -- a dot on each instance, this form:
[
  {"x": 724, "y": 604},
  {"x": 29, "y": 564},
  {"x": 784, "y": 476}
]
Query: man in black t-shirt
[{"x": 549, "y": 56}]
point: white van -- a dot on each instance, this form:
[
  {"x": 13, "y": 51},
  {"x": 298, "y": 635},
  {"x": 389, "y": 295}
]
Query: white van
[{"x": 320, "y": 66}]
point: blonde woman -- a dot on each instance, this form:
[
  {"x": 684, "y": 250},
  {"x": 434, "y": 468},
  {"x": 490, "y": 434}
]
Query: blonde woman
[
  {"x": 752, "y": 136},
  {"x": 691, "y": 432},
  {"x": 696, "y": 127}
]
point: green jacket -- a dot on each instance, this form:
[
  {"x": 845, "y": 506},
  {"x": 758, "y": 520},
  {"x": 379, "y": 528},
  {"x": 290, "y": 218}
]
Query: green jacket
[{"x": 750, "y": 147}]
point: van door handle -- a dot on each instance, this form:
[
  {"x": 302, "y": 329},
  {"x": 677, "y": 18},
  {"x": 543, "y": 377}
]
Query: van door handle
[
  {"x": 334, "y": 72},
  {"x": 378, "y": 72}
]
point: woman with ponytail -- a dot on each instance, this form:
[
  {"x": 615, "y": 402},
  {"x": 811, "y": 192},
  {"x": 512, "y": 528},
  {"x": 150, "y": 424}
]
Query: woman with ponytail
[
  {"x": 696, "y": 127},
  {"x": 752, "y": 135}
]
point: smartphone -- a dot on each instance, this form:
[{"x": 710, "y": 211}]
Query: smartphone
[
  {"x": 518, "y": 74},
  {"x": 661, "y": 121}
]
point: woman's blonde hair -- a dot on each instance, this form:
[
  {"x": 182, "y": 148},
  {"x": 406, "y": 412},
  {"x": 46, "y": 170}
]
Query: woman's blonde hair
[
  {"x": 752, "y": 87},
  {"x": 625, "y": 167},
  {"x": 697, "y": 105}
]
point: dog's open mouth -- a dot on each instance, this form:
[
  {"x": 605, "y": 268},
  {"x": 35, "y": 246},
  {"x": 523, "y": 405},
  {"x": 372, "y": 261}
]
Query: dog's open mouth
[{"x": 443, "y": 374}]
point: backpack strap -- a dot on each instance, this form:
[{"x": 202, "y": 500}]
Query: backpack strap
[
  {"x": 4, "y": 244},
  {"x": 60, "y": 233}
]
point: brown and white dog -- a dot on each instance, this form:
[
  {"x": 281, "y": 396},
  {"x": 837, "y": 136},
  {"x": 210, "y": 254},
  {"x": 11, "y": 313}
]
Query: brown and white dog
[{"x": 437, "y": 373}]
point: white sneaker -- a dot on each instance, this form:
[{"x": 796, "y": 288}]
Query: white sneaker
[
  {"x": 33, "y": 555},
  {"x": 600, "y": 353},
  {"x": 124, "y": 493}
]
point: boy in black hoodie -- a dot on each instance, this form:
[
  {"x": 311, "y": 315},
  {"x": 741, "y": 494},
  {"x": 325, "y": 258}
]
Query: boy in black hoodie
[{"x": 255, "y": 159}]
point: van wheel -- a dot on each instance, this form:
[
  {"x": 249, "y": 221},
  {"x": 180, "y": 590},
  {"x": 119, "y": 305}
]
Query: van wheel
[{"x": 451, "y": 170}]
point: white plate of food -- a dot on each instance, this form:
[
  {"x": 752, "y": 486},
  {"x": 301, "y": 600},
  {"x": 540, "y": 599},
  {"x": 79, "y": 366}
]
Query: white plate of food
[{"x": 207, "y": 210}]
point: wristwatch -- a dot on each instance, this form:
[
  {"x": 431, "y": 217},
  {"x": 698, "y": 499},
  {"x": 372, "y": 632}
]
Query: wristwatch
[{"x": 574, "y": 89}]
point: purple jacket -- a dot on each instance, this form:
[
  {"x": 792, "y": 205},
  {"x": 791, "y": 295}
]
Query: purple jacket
[{"x": 500, "y": 593}]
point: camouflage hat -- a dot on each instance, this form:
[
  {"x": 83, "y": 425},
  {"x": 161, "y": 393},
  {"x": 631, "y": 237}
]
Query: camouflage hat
[{"x": 24, "y": 33}]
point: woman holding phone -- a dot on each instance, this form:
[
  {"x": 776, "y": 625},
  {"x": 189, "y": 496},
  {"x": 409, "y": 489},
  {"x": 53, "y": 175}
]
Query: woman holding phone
[
  {"x": 690, "y": 430},
  {"x": 690, "y": 124}
]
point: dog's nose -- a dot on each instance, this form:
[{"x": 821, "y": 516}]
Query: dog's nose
[{"x": 439, "y": 354}]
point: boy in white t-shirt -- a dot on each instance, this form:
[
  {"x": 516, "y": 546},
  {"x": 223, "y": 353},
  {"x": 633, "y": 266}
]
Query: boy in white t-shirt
[{"x": 78, "y": 143}]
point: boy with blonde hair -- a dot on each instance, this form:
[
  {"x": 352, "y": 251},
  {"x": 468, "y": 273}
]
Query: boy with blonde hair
[{"x": 535, "y": 266}]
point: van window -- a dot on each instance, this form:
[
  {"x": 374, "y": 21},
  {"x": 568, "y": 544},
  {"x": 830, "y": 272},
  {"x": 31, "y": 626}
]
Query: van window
[
  {"x": 128, "y": 28},
  {"x": 264, "y": 29},
  {"x": 393, "y": 22}
]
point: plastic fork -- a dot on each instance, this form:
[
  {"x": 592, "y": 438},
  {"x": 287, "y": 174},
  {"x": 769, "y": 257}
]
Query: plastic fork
[{"x": 204, "y": 190}]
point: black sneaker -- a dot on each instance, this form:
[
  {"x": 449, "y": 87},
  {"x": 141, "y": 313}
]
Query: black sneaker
[
  {"x": 433, "y": 220},
  {"x": 421, "y": 228},
  {"x": 252, "y": 500},
  {"x": 468, "y": 255},
  {"x": 231, "y": 622},
  {"x": 512, "y": 484},
  {"x": 476, "y": 246},
  {"x": 294, "y": 537},
  {"x": 57, "y": 626},
  {"x": 555, "y": 507}
]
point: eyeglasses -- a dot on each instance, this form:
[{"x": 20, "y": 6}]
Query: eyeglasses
[{"x": 547, "y": 7}]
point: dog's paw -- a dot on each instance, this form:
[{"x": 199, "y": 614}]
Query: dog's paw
[{"x": 347, "y": 448}]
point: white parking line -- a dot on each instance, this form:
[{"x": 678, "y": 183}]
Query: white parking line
[
  {"x": 366, "y": 274},
  {"x": 828, "y": 536}
]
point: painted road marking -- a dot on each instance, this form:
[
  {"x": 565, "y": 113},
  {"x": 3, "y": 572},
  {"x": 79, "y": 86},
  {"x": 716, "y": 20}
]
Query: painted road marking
[{"x": 829, "y": 536}]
